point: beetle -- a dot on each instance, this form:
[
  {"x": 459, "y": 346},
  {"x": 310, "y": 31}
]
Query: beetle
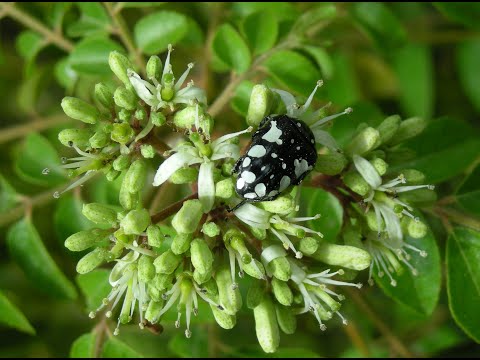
[{"x": 282, "y": 153}]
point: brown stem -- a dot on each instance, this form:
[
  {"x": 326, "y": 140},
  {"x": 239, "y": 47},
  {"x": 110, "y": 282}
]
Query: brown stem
[
  {"x": 357, "y": 340},
  {"x": 18, "y": 131},
  {"x": 457, "y": 217},
  {"x": 99, "y": 331},
  {"x": 172, "y": 209}
]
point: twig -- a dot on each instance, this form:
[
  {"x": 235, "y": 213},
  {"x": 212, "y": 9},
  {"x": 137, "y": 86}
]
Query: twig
[
  {"x": 457, "y": 217},
  {"x": 172, "y": 209},
  {"x": 357, "y": 340},
  {"x": 100, "y": 330}
]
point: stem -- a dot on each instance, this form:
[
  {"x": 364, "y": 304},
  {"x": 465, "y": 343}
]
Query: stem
[
  {"x": 357, "y": 340},
  {"x": 99, "y": 330},
  {"x": 172, "y": 209},
  {"x": 124, "y": 34},
  {"x": 18, "y": 131},
  {"x": 22, "y": 17},
  {"x": 457, "y": 217}
]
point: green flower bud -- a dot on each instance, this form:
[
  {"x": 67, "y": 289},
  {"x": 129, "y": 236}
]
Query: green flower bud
[
  {"x": 286, "y": 319},
  {"x": 356, "y": 183},
  {"x": 135, "y": 222},
  {"x": 181, "y": 243},
  {"x": 122, "y": 133},
  {"x": 388, "y": 128},
  {"x": 266, "y": 325},
  {"x": 136, "y": 176},
  {"x": 380, "y": 165},
  {"x": 398, "y": 155},
  {"x": 99, "y": 140},
  {"x": 224, "y": 320},
  {"x": 187, "y": 218},
  {"x": 112, "y": 174},
  {"x": 416, "y": 228},
  {"x": 228, "y": 292},
  {"x": 282, "y": 292},
  {"x": 200, "y": 277},
  {"x": 155, "y": 236},
  {"x": 227, "y": 168},
  {"x": 185, "y": 175},
  {"x": 282, "y": 205},
  {"x": 167, "y": 262},
  {"x": 104, "y": 95},
  {"x": 372, "y": 221},
  {"x": 210, "y": 229},
  {"x": 140, "y": 114},
  {"x": 119, "y": 64},
  {"x": 260, "y": 234},
  {"x": 125, "y": 115},
  {"x": 377, "y": 154},
  {"x": 211, "y": 288},
  {"x": 147, "y": 151},
  {"x": 408, "y": 129},
  {"x": 224, "y": 189},
  {"x": 157, "y": 118},
  {"x": 346, "y": 256},
  {"x": 326, "y": 298},
  {"x": 363, "y": 142},
  {"x": 153, "y": 311},
  {"x": 308, "y": 245},
  {"x": 121, "y": 163},
  {"x": 255, "y": 293},
  {"x": 163, "y": 282},
  {"x": 185, "y": 119},
  {"x": 80, "y": 110},
  {"x": 201, "y": 255},
  {"x": 280, "y": 268},
  {"x": 78, "y": 137},
  {"x": 259, "y": 105},
  {"x": 153, "y": 292},
  {"x": 203, "y": 148},
  {"x": 352, "y": 237},
  {"x": 419, "y": 196},
  {"x": 92, "y": 260},
  {"x": 331, "y": 164},
  {"x": 87, "y": 238},
  {"x": 154, "y": 67},
  {"x": 146, "y": 270},
  {"x": 100, "y": 214},
  {"x": 414, "y": 177},
  {"x": 125, "y": 98},
  {"x": 255, "y": 269},
  {"x": 128, "y": 200}
]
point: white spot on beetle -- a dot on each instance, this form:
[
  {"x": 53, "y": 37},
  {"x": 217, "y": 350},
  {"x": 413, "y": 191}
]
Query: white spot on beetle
[
  {"x": 273, "y": 193},
  {"x": 246, "y": 162},
  {"x": 272, "y": 176},
  {"x": 299, "y": 125},
  {"x": 284, "y": 166},
  {"x": 250, "y": 196},
  {"x": 273, "y": 134},
  {"x": 298, "y": 147},
  {"x": 313, "y": 141},
  {"x": 284, "y": 183},
  {"x": 300, "y": 167},
  {"x": 248, "y": 176},
  {"x": 257, "y": 151},
  {"x": 274, "y": 155},
  {"x": 240, "y": 183},
  {"x": 260, "y": 189},
  {"x": 292, "y": 141}
]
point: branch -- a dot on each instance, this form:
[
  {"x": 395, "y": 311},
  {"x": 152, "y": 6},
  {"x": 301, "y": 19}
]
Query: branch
[
  {"x": 457, "y": 217},
  {"x": 172, "y": 209}
]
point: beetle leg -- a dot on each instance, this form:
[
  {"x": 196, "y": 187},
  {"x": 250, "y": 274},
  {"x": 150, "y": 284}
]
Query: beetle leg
[{"x": 237, "y": 206}]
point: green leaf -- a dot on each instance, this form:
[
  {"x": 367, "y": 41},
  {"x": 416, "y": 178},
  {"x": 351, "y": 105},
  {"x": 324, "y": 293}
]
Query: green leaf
[
  {"x": 281, "y": 10},
  {"x": 154, "y": 32},
  {"x": 231, "y": 49},
  {"x": 445, "y": 149},
  {"x": 29, "y": 252},
  {"x": 8, "y": 195},
  {"x": 466, "y": 13},
  {"x": 30, "y": 89},
  {"x": 330, "y": 210},
  {"x": 380, "y": 23},
  {"x": 140, "y": 4},
  {"x": 468, "y": 53},
  {"x": 463, "y": 279},
  {"x": 29, "y": 44},
  {"x": 11, "y": 316},
  {"x": 35, "y": 155},
  {"x": 94, "y": 19},
  {"x": 323, "y": 60},
  {"x": 83, "y": 346},
  {"x": 65, "y": 75},
  {"x": 419, "y": 293},
  {"x": 194, "y": 35},
  {"x": 90, "y": 55},
  {"x": 342, "y": 88},
  {"x": 94, "y": 287},
  {"x": 440, "y": 339},
  {"x": 414, "y": 68},
  {"x": 106, "y": 192},
  {"x": 57, "y": 13},
  {"x": 468, "y": 194},
  {"x": 241, "y": 99},
  {"x": 282, "y": 352},
  {"x": 320, "y": 15},
  {"x": 196, "y": 346},
  {"x": 261, "y": 31},
  {"x": 114, "y": 348},
  {"x": 293, "y": 71}
]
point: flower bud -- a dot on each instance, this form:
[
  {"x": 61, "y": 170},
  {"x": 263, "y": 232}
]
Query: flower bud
[
  {"x": 121, "y": 163},
  {"x": 416, "y": 228},
  {"x": 200, "y": 277},
  {"x": 80, "y": 110},
  {"x": 210, "y": 229},
  {"x": 157, "y": 118},
  {"x": 282, "y": 205},
  {"x": 255, "y": 294},
  {"x": 408, "y": 129},
  {"x": 377, "y": 154},
  {"x": 280, "y": 268},
  {"x": 398, "y": 155},
  {"x": 167, "y": 262},
  {"x": 136, "y": 176},
  {"x": 352, "y": 237},
  {"x": 331, "y": 164},
  {"x": 211, "y": 288},
  {"x": 201, "y": 256},
  {"x": 154, "y": 67},
  {"x": 92, "y": 260},
  {"x": 419, "y": 196},
  {"x": 224, "y": 320},
  {"x": 125, "y": 98},
  {"x": 104, "y": 95},
  {"x": 187, "y": 218},
  {"x": 356, "y": 183},
  {"x": 78, "y": 137},
  {"x": 84, "y": 239},
  {"x": 414, "y": 177},
  {"x": 185, "y": 175},
  {"x": 153, "y": 311},
  {"x": 147, "y": 151},
  {"x": 224, "y": 189},
  {"x": 99, "y": 140},
  {"x": 286, "y": 319},
  {"x": 346, "y": 256},
  {"x": 135, "y": 222},
  {"x": 119, "y": 64},
  {"x": 100, "y": 214},
  {"x": 146, "y": 270},
  {"x": 181, "y": 243},
  {"x": 266, "y": 325},
  {"x": 227, "y": 168},
  {"x": 388, "y": 128},
  {"x": 162, "y": 282},
  {"x": 128, "y": 200},
  {"x": 155, "y": 236},
  {"x": 372, "y": 222},
  {"x": 326, "y": 298},
  {"x": 260, "y": 234},
  {"x": 380, "y": 165},
  {"x": 122, "y": 133},
  {"x": 259, "y": 105},
  {"x": 255, "y": 269},
  {"x": 308, "y": 245},
  {"x": 282, "y": 292},
  {"x": 228, "y": 294},
  {"x": 365, "y": 141},
  {"x": 185, "y": 119}
]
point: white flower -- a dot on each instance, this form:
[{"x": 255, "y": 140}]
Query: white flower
[{"x": 167, "y": 92}]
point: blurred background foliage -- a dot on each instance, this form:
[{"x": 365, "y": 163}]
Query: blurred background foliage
[{"x": 412, "y": 59}]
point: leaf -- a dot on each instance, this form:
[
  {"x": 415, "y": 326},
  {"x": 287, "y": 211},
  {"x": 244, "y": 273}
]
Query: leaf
[
  {"x": 8, "y": 195},
  {"x": 65, "y": 75},
  {"x": 330, "y": 210},
  {"x": 380, "y": 23},
  {"x": 11, "y": 316},
  {"x": 468, "y": 53},
  {"x": 139, "y": 4},
  {"x": 463, "y": 279},
  {"x": 194, "y": 35},
  {"x": 106, "y": 192},
  {"x": 30, "y": 89},
  {"x": 29, "y": 44},
  {"x": 293, "y": 70},
  {"x": 468, "y": 194},
  {"x": 83, "y": 346},
  {"x": 154, "y": 32},
  {"x": 440, "y": 339},
  {"x": 445, "y": 149},
  {"x": 414, "y": 68},
  {"x": 196, "y": 346},
  {"x": 260, "y": 29},
  {"x": 56, "y": 15},
  {"x": 320, "y": 14},
  {"x": 35, "y": 155},
  {"x": 94, "y": 287},
  {"x": 29, "y": 252},
  {"x": 323, "y": 60},
  {"x": 419, "y": 293},
  {"x": 90, "y": 55},
  {"x": 241, "y": 99},
  {"x": 114, "y": 348},
  {"x": 282, "y": 352},
  {"x": 231, "y": 49},
  {"x": 466, "y": 13},
  {"x": 94, "y": 19},
  {"x": 281, "y": 10}
]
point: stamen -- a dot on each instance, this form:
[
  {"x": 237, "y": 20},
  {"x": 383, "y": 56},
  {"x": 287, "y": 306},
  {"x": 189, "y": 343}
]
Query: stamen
[
  {"x": 45, "y": 171},
  {"x": 331, "y": 117},
  {"x": 167, "y": 67},
  {"x": 182, "y": 78},
  {"x": 344, "y": 321},
  {"x": 310, "y": 98}
]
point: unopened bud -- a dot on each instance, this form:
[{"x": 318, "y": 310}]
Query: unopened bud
[
  {"x": 255, "y": 269},
  {"x": 100, "y": 214},
  {"x": 282, "y": 292},
  {"x": 363, "y": 142},
  {"x": 121, "y": 163},
  {"x": 167, "y": 262},
  {"x": 153, "y": 311},
  {"x": 154, "y": 67},
  {"x": 224, "y": 320},
  {"x": 78, "y": 137},
  {"x": 187, "y": 218},
  {"x": 224, "y": 189},
  {"x": 122, "y": 133},
  {"x": 92, "y": 260},
  {"x": 128, "y": 200},
  {"x": 181, "y": 243},
  {"x": 119, "y": 64},
  {"x": 155, "y": 236},
  {"x": 147, "y": 151},
  {"x": 99, "y": 140},
  {"x": 286, "y": 319},
  {"x": 229, "y": 295},
  {"x": 414, "y": 177},
  {"x": 380, "y": 165},
  {"x": 146, "y": 269},
  {"x": 80, "y": 110},
  {"x": 280, "y": 268},
  {"x": 201, "y": 255},
  {"x": 308, "y": 245},
  {"x": 125, "y": 98},
  {"x": 356, "y": 183},
  {"x": 136, "y": 176},
  {"x": 104, "y": 95},
  {"x": 331, "y": 164},
  {"x": 84, "y": 239},
  {"x": 259, "y": 105},
  {"x": 416, "y": 228},
  {"x": 157, "y": 118},
  {"x": 162, "y": 281},
  {"x": 255, "y": 293},
  {"x": 346, "y": 256},
  {"x": 185, "y": 175},
  {"x": 266, "y": 325},
  {"x": 408, "y": 129},
  {"x": 419, "y": 196},
  {"x": 282, "y": 205},
  {"x": 210, "y": 229},
  {"x": 135, "y": 222},
  {"x": 388, "y": 128},
  {"x": 201, "y": 278}
]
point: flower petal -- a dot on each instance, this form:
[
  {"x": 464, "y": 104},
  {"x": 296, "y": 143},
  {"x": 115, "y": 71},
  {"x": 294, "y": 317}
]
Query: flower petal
[
  {"x": 170, "y": 165},
  {"x": 206, "y": 185},
  {"x": 143, "y": 89},
  {"x": 367, "y": 171},
  {"x": 392, "y": 225},
  {"x": 189, "y": 93},
  {"x": 224, "y": 138},
  {"x": 324, "y": 138},
  {"x": 287, "y": 98},
  {"x": 226, "y": 150},
  {"x": 253, "y": 216}
]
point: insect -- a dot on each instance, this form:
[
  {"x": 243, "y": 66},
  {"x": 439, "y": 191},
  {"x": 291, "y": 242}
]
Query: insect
[{"x": 282, "y": 153}]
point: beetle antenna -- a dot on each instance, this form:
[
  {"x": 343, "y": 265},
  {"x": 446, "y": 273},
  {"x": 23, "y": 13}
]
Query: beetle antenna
[{"x": 241, "y": 203}]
